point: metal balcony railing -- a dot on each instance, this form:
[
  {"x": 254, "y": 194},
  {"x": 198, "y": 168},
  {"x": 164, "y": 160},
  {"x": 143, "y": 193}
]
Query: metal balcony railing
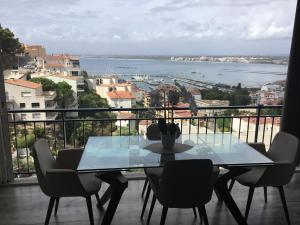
[{"x": 72, "y": 127}]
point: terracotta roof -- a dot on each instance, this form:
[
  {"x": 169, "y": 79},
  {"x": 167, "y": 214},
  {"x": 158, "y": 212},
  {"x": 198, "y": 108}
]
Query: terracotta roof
[
  {"x": 262, "y": 120},
  {"x": 68, "y": 77},
  {"x": 182, "y": 105},
  {"x": 56, "y": 57},
  {"x": 145, "y": 122},
  {"x": 182, "y": 113},
  {"x": 125, "y": 115},
  {"x": 54, "y": 65},
  {"x": 115, "y": 85},
  {"x": 120, "y": 95},
  {"x": 23, "y": 83}
]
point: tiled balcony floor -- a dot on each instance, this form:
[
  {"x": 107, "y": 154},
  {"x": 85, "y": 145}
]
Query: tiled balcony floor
[{"x": 28, "y": 205}]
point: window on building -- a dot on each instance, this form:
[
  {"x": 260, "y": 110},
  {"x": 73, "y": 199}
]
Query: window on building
[
  {"x": 36, "y": 115},
  {"x": 22, "y": 105},
  {"x": 25, "y": 94},
  {"x": 35, "y": 105}
]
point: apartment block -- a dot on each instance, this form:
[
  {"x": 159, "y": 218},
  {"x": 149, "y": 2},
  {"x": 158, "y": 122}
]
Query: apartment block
[{"x": 26, "y": 95}]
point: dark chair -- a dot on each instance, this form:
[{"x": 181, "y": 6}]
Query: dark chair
[
  {"x": 284, "y": 152},
  {"x": 183, "y": 184},
  {"x": 58, "y": 178}
]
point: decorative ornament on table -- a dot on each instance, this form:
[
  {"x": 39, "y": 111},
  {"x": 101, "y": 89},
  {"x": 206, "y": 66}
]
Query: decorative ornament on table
[{"x": 168, "y": 133}]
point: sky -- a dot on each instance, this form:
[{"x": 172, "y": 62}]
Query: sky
[{"x": 156, "y": 27}]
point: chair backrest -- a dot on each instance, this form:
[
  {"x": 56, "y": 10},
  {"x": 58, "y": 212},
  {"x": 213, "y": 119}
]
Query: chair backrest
[
  {"x": 284, "y": 148},
  {"x": 186, "y": 183},
  {"x": 43, "y": 160}
]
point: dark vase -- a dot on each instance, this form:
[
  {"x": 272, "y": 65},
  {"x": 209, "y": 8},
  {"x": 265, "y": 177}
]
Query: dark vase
[{"x": 168, "y": 140}]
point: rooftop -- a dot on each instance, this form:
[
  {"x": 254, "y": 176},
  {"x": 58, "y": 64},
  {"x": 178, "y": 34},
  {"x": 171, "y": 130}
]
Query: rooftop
[
  {"x": 125, "y": 115},
  {"x": 66, "y": 77},
  {"x": 120, "y": 95},
  {"x": 115, "y": 85},
  {"x": 54, "y": 65},
  {"x": 263, "y": 120},
  {"x": 23, "y": 83}
]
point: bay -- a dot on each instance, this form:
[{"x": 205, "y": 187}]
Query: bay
[{"x": 248, "y": 74}]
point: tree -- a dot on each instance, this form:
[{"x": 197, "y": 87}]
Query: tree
[
  {"x": 48, "y": 85},
  {"x": 65, "y": 97},
  {"x": 9, "y": 46},
  {"x": 92, "y": 100},
  {"x": 155, "y": 99},
  {"x": 173, "y": 97}
]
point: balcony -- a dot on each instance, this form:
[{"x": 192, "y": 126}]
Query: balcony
[{"x": 64, "y": 131}]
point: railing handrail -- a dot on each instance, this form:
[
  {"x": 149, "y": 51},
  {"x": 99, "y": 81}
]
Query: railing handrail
[{"x": 142, "y": 109}]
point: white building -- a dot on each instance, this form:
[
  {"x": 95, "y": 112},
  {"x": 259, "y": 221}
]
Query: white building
[
  {"x": 212, "y": 103},
  {"x": 22, "y": 94},
  {"x": 76, "y": 82},
  {"x": 121, "y": 99},
  {"x": 195, "y": 92},
  {"x": 109, "y": 84},
  {"x": 124, "y": 120},
  {"x": 62, "y": 63}
]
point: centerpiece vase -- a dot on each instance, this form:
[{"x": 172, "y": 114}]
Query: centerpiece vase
[{"x": 168, "y": 140}]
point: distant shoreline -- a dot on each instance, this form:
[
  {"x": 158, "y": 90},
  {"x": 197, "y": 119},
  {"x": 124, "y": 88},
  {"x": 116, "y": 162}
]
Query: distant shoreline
[{"x": 276, "y": 60}]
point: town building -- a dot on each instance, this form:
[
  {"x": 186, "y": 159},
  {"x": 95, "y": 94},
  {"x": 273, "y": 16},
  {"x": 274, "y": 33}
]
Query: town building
[
  {"x": 124, "y": 119},
  {"x": 76, "y": 82},
  {"x": 196, "y": 93},
  {"x": 107, "y": 84},
  {"x": 22, "y": 94},
  {"x": 35, "y": 51},
  {"x": 270, "y": 97},
  {"x": 121, "y": 99},
  {"x": 63, "y": 63},
  {"x": 212, "y": 103}
]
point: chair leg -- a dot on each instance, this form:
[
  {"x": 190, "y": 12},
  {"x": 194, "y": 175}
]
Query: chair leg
[
  {"x": 56, "y": 206},
  {"x": 90, "y": 209},
  {"x": 145, "y": 201},
  {"x": 231, "y": 184},
  {"x": 202, "y": 212},
  {"x": 266, "y": 194},
  {"x": 99, "y": 205},
  {"x": 200, "y": 215},
  {"x": 151, "y": 208},
  {"x": 49, "y": 211},
  {"x": 249, "y": 200},
  {"x": 194, "y": 211},
  {"x": 164, "y": 215},
  {"x": 281, "y": 191},
  {"x": 144, "y": 187}
]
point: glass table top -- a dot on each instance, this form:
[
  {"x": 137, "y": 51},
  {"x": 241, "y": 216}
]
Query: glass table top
[{"x": 129, "y": 152}]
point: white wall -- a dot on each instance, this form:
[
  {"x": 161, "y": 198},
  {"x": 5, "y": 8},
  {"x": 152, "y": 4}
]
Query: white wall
[{"x": 14, "y": 94}]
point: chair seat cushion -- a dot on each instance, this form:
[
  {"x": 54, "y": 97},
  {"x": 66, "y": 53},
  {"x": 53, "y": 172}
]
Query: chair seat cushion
[
  {"x": 90, "y": 182},
  {"x": 252, "y": 177}
]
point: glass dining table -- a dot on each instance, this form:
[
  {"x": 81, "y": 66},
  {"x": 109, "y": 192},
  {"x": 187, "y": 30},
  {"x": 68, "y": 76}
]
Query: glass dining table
[{"x": 109, "y": 155}]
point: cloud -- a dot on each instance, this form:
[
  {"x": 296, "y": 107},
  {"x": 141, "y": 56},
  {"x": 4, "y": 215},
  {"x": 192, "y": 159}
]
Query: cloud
[
  {"x": 178, "y": 24},
  {"x": 175, "y": 5}
]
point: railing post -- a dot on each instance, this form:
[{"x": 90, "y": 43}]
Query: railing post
[
  {"x": 259, "y": 107},
  {"x": 64, "y": 128}
]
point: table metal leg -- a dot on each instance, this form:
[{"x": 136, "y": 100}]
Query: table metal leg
[
  {"x": 118, "y": 184},
  {"x": 223, "y": 191}
]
